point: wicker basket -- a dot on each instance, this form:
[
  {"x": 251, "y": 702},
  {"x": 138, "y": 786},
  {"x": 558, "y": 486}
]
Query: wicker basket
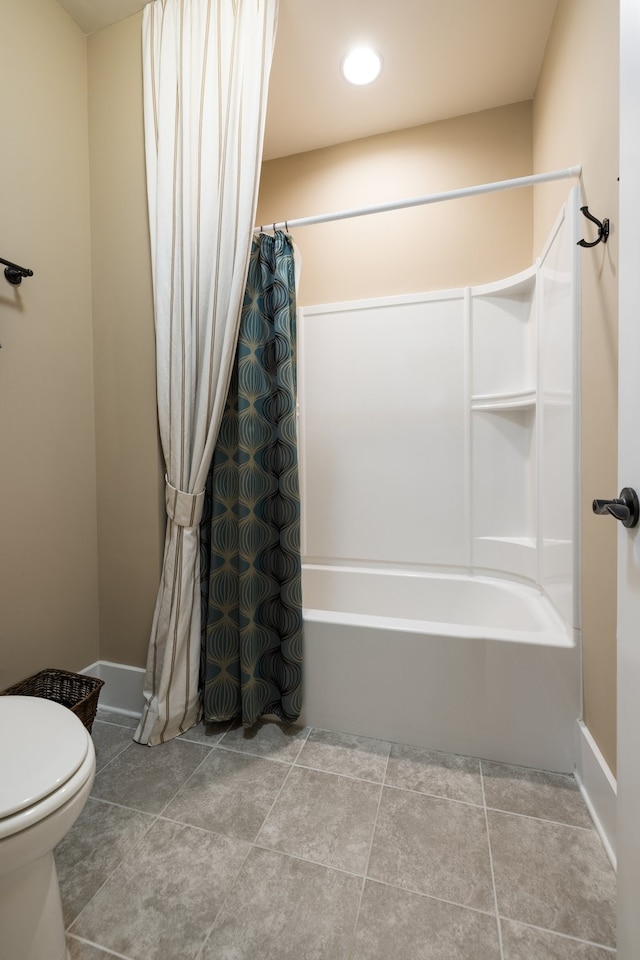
[{"x": 73, "y": 690}]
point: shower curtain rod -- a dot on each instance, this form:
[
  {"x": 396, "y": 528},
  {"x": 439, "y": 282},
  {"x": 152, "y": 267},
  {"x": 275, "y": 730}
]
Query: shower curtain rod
[{"x": 565, "y": 174}]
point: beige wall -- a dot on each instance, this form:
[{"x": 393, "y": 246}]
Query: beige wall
[
  {"x": 433, "y": 247},
  {"x": 130, "y": 496},
  {"x": 48, "y": 555},
  {"x": 575, "y": 120}
]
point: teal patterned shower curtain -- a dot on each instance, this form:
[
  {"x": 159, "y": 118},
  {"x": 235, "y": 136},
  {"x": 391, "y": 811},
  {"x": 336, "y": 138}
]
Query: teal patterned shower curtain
[{"x": 250, "y": 532}]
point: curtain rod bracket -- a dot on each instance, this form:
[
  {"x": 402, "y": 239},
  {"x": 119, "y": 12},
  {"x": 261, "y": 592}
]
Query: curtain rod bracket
[
  {"x": 603, "y": 229},
  {"x": 15, "y": 274}
]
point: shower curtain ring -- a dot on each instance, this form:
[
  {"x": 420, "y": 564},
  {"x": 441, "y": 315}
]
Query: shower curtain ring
[{"x": 274, "y": 228}]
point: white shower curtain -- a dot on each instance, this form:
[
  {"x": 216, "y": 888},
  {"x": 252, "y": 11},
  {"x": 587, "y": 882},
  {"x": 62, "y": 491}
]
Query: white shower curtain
[{"x": 206, "y": 66}]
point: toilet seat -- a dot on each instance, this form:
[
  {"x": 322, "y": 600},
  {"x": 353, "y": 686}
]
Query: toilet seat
[{"x": 46, "y": 755}]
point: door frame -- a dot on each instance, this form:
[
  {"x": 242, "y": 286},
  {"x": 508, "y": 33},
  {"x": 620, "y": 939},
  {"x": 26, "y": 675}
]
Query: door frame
[{"x": 628, "y": 598}]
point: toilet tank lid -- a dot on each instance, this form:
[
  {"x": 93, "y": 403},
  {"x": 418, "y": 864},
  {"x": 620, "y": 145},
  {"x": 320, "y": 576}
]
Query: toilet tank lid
[{"x": 42, "y": 745}]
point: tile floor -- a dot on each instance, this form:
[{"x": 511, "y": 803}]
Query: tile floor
[{"x": 298, "y": 844}]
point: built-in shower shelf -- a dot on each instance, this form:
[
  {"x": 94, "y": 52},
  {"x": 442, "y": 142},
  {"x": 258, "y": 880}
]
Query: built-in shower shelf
[
  {"x": 524, "y": 400},
  {"x": 521, "y": 285},
  {"x": 556, "y": 398},
  {"x": 527, "y": 542},
  {"x": 516, "y": 554}
]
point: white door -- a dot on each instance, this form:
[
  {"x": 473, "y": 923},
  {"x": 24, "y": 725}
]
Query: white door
[{"x": 628, "y": 836}]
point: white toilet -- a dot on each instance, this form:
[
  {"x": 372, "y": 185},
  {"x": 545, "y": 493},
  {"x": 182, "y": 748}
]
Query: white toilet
[{"x": 47, "y": 766}]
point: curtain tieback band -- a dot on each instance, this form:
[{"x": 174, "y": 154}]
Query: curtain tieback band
[{"x": 185, "y": 509}]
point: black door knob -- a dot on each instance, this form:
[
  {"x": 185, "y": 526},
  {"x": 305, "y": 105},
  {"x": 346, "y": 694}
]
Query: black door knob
[{"x": 625, "y": 508}]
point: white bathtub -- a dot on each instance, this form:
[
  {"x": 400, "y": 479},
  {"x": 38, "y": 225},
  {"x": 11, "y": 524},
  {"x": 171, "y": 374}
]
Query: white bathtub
[{"x": 469, "y": 665}]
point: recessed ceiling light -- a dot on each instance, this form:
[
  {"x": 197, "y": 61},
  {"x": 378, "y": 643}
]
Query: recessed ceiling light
[{"x": 361, "y": 65}]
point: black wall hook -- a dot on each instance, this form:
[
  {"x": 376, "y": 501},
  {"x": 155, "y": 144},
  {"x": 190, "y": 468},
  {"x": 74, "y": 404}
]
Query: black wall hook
[
  {"x": 14, "y": 273},
  {"x": 603, "y": 229}
]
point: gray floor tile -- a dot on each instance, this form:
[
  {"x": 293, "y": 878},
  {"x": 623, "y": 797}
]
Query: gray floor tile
[
  {"x": 119, "y": 866},
  {"x": 406, "y": 926},
  {"x": 524, "y": 943},
  {"x": 281, "y": 908},
  {"x": 438, "y": 774},
  {"x": 85, "y": 951},
  {"x": 549, "y": 796},
  {"x": 207, "y": 733},
  {"x": 231, "y": 793},
  {"x": 120, "y": 719},
  {"x": 146, "y": 778},
  {"x": 267, "y": 739},
  {"x": 162, "y": 900},
  {"x": 433, "y": 846},
  {"x": 325, "y": 818},
  {"x": 99, "y": 840},
  {"x": 342, "y": 753},
  {"x": 109, "y": 740},
  {"x": 553, "y": 876}
]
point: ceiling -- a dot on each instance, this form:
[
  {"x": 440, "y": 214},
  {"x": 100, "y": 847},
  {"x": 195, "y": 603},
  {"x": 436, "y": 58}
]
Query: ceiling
[{"x": 442, "y": 58}]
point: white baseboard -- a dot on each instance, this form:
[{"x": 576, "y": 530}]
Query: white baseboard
[
  {"x": 598, "y": 787},
  {"x": 123, "y": 686}
]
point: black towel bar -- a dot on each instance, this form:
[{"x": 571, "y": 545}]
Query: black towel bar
[{"x": 14, "y": 274}]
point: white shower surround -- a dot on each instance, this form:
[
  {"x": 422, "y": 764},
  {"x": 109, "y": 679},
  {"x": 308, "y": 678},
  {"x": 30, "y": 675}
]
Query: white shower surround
[{"x": 439, "y": 446}]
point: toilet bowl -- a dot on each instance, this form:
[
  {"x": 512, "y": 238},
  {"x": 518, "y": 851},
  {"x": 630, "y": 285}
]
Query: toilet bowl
[{"x": 47, "y": 766}]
